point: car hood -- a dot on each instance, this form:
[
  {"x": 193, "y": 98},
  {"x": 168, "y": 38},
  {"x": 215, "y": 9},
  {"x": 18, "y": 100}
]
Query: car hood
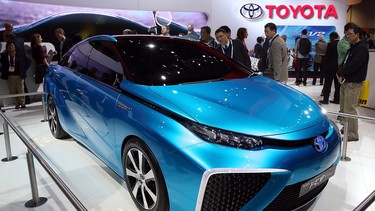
[{"x": 256, "y": 105}]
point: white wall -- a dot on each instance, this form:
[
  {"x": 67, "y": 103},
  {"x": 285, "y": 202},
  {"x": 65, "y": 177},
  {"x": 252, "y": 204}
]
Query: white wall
[{"x": 222, "y": 12}]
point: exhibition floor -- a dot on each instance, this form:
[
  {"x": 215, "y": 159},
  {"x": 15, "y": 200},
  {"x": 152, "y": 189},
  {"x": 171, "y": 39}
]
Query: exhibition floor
[{"x": 98, "y": 188}]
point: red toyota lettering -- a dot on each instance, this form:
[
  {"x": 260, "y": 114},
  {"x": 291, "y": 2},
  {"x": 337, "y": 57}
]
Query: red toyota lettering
[
  {"x": 279, "y": 10},
  {"x": 295, "y": 10},
  {"x": 270, "y": 10},
  {"x": 306, "y": 11},
  {"x": 331, "y": 11},
  {"x": 319, "y": 8}
]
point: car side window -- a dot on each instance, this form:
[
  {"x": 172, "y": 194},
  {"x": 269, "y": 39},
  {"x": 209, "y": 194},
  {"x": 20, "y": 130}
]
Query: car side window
[
  {"x": 77, "y": 60},
  {"x": 104, "y": 63}
]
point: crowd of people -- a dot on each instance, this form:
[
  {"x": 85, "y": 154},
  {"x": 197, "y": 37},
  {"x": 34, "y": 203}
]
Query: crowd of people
[
  {"x": 340, "y": 61},
  {"x": 14, "y": 63}
]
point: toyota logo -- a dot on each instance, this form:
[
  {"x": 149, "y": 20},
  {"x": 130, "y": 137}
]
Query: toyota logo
[
  {"x": 320, "y": 144},
  {"x": 251, "y": 11}
]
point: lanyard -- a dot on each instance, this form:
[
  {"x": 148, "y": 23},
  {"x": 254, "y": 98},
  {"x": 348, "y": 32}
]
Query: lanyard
[
  {"x": 12, "y": 63},
  {"x": 12, "y": 60}
]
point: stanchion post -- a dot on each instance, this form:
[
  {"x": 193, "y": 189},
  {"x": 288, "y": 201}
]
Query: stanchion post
[
  {"x": 35, "y": 201},
  {"x": 345, "y": 141},
  {"x": 7, "y": 144}
]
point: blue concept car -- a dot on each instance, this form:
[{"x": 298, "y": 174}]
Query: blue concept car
[{"x": 189, "y": 128}]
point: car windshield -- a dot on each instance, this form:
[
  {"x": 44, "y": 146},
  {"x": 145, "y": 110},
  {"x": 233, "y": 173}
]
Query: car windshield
[{"x": 161, "y": 62}]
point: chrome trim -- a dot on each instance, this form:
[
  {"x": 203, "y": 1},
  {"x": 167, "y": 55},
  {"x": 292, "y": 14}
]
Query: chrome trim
[
  {"x": 320, "y": 144},
  {"x": 122, "y": 106},
  {"x": 207, "y": 174},
  {"x": 307, "y": 204}
]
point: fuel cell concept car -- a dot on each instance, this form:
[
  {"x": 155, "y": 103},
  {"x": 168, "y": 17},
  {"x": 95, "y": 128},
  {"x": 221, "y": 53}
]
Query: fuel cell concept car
[{"x": 188, "y": 128}]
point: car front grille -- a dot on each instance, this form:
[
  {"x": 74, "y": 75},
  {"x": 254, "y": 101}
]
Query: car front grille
[
  {"x": 289, "y": 198},
  {"x": 231, "y": 191}
]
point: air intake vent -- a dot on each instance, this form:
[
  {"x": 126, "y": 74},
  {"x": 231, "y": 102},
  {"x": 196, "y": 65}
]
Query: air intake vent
[
  {"x": 232, "y": 191},
  {"x": 289, "y": 198}
]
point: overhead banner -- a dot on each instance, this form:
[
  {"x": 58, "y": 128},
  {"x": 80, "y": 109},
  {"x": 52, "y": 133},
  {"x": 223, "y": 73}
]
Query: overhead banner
[{"x": 254, "y": 11}]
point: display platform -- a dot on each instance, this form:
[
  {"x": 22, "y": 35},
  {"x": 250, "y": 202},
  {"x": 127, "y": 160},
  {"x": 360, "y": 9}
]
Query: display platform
[
  {"x": 98, "y": 188},
  {"x": 94, "y": 184}
]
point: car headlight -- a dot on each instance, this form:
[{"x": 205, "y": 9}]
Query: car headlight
[{"x": 223, "y": 137}]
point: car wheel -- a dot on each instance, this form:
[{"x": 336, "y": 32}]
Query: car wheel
[
  {"x": 143, "y": 177},
  {"x": 53, "y": 120}
]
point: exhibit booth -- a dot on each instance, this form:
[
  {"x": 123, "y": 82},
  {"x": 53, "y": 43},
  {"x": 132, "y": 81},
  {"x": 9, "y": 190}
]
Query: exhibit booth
[
  {"x": 291, "y": 17},
  {"x": 99, "y": 187}
]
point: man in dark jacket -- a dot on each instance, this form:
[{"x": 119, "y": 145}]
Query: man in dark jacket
[
  {"x": 206, "y": 37},
  {"x": 262, "y": 64},
  {"x": 352, "y": 74},
  {"x": 13, "y": 69},
  {"x": 63, "y": 44},
  {"x": 330, "y": 67},
  {"x": 232, "y": 48}
]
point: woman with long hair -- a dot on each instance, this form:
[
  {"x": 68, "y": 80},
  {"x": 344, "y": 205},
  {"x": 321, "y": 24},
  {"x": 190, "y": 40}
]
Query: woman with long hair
[
  {"x": 242, "y": 35},
  {"x": 40, "y": 57}
]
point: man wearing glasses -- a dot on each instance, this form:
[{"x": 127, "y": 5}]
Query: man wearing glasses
[{"x": 352, "y": 73}]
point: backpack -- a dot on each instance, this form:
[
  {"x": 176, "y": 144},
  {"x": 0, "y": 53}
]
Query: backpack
[{"x": 304, "y": 46}]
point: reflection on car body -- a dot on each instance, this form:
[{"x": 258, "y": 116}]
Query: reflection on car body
[{"x": 189, "y": 128}]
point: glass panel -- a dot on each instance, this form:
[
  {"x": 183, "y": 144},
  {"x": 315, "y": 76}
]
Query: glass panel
[
  {"x": 104, "y": 63},
  {"x": 77, "y": 60},
  {"x": 169, "y": 62}
]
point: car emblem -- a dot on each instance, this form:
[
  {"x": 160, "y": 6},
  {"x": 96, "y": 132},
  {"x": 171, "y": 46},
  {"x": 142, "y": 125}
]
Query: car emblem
[
  {"x": 320, "y": 144},
  {"x": 251, "y": 11}
]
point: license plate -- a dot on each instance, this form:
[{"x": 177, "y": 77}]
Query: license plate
[{"x": 316, "y": 181}]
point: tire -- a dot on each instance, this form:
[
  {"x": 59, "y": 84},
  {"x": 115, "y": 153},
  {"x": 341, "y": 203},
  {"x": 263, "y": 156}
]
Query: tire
[
  {"x": 53, "y": 120},
  {"x": 146, "y": 185}
]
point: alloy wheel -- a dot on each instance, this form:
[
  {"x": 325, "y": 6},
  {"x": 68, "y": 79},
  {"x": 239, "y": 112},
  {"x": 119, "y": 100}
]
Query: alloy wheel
[
  {"x": 52, "y": 117},
  {"x": 141, "y": 179}
]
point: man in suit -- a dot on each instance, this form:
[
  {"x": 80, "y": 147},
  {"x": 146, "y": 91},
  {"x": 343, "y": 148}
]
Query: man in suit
[
  {"x": 262, "y": 64},
  {"x": 63, "y": 44},
  {"x": 232, "y": 48},
  {"x": 277, "y": 54},
  {"x": 320, "y": 51}
]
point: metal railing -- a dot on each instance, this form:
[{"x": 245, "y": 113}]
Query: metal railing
[
  {"x": 32, "y": 151},
  {"x": 371, "y": 198},
  {"x": 366, "y": 203},
  {"x": 27, "y": 94},
  {"x": 345, "y": 138}
]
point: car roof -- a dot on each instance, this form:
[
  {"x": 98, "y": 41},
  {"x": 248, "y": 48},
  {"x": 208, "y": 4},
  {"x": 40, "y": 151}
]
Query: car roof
[{"x": 115, "y": 38}]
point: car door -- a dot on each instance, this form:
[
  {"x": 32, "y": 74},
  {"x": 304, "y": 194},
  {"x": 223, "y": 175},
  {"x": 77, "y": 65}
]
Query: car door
[
  {"x": 98, "y": 95},
  {"x": 65, "y": 78}
]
